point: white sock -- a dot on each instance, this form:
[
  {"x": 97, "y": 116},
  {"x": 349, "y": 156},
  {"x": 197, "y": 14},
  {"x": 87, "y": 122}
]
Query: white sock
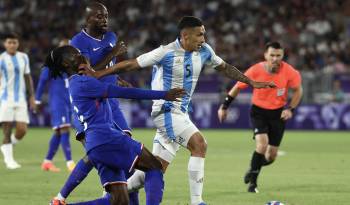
[
  {"x": 196, "y": 178},
  {"x": 14, "y": 140},
  {"x": 60, "y": 197},
  {"x": 7, "y": 151},
  {"x": 136, "y": 181},
  {"x": 69, "y": 162}
]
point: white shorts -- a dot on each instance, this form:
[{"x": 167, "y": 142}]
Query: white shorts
[
  {"x": 14, "y": 113},
  {"x": 174, "y": 128}
]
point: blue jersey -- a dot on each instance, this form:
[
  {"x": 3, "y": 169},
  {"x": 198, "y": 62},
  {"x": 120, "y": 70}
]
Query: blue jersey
[
  {"x": 95, "y": 49},
  {"x": 89, "y": 99},
  {"x": 58, "y": 89},
  {"x": 60, "y": 106}
]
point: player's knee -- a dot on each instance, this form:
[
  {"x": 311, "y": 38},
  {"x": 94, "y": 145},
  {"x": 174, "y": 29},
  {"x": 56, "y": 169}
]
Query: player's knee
[
  {"x": 118, "y": 195},
  {"x": 261, "y": 148},
  {"x": 156, "y": 164},
  {"x": 20, "y": 133},
  {"x": 198, "y": 147}
]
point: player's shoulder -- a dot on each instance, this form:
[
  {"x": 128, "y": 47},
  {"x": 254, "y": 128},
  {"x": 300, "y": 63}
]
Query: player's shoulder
[
  {"x": 22, "y": 54},
  {"x": 257, "y": 66},
  {"x": 289, "y": 67},
  {"x": 79, "y": 39},
  {"x": 206, "y": 47},
  {"x": 110, "y": 35},
  {"x": 82, "y": 79}
]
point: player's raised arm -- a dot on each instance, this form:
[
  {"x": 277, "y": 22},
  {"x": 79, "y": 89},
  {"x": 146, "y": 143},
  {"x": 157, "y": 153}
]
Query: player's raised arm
[
  {"x": 122, "y": 67},
  {"x": 233, "y": 73}
]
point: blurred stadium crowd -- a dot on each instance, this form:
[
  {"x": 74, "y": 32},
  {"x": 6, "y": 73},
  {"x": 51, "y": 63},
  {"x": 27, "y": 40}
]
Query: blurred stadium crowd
[{"x": 315, "y": 33}]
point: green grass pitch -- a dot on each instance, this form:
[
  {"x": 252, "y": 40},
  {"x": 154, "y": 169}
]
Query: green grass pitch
[{"x": 315, "y": 170}]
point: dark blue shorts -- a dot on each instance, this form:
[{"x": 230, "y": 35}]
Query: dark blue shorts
[
  {"x": 112, "y": 159},
  {"x": 60, "y": 118}
]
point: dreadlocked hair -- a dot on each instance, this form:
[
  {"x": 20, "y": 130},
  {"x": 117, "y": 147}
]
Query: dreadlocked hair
[{"x": 54, "y": 62}]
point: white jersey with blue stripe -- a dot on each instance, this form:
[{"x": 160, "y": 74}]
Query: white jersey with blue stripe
[
  {"x": 173, "y": 67},
  {"x": 13, "y": 68}
]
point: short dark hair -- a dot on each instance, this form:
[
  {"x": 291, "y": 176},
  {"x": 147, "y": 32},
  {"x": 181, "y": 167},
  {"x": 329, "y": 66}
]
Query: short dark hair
[
  {"x": 11, "y": 35},
  {"x": 273, "y": 44},
  {"x": 189, "y": 22}
]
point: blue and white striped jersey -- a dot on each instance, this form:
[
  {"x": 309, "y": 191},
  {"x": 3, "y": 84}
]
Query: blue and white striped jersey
[
  {"x": 13, "y": 68},
  {"x": 173, "y": 67}
]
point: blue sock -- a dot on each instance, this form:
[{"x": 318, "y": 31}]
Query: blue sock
[
  {"x": 78, "y": 174},
  {"x": 101, "y": 201},
  {"x": 133, "y": 196},
  {"x": 154, "y": 186},
  {"x": 66, "y": 146},
  {"x": 53, "y": 146}
]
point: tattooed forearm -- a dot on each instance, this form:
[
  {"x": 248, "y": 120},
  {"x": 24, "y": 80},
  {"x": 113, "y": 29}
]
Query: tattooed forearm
[{"x": 233, "y": 73}]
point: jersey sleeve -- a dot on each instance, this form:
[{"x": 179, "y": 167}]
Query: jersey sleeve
[
  {"x": 115, "y": 91},
  {"x": 27, "y": 66},
  {"x": 93, "y": 88},
  {"x": 44, "y": 77},
  {"x": 81, "y": 46},
  {"x": 214, "y": 60},
  {"x": 151, "y": 58},
  {"x": 249, "y": 73},
  {"x": 294, "y": 79}
]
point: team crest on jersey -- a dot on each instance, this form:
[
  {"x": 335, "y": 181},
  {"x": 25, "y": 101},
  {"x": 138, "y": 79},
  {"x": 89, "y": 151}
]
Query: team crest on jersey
[
  {"x": 178, "y": 60},
  {"x": 280, "y": 92}
]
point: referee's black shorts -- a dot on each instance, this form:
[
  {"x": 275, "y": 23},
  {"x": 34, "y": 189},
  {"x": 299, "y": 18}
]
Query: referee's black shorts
[{"x": 268, "y": 122}]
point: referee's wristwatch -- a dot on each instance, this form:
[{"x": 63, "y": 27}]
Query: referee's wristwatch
[{"x": 291, "y": 109}]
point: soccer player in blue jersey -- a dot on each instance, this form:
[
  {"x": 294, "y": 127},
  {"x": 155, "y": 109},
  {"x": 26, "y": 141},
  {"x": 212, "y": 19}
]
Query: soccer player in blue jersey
[
  {"x": 179, "y": 64},
  {"x": 109, "y": 149},
  {"x": 60, "y": 112},
  {"x": 100, "y": 47},
  {"x": 15, "y": 82}
]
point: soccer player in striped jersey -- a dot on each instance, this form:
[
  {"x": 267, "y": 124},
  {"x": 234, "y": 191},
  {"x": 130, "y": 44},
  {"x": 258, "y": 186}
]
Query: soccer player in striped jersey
[
  {"x": 60, "y": 113},
  {"x": 179, "y": 64},
  {"x": 269, "y": 111},
  {"x": 108, "y": 147},
  {"x": 15, "y": 82}
]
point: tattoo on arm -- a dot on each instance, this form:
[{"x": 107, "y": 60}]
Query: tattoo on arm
[{"x": 233, "y": 73}]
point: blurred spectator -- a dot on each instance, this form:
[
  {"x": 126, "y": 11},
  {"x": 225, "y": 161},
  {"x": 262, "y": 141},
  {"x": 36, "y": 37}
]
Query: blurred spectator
[{"x": 337, "y": 92}]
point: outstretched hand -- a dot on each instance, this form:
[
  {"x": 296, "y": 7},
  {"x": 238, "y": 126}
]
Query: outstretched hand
[
  {"x": 256, "y": 84},
  {"x": 119, "y": 49},
  {"x": 175, "y": 93}
]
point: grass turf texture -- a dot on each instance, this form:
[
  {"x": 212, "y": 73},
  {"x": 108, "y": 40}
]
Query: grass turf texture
[{"x": 314, "y": 170}]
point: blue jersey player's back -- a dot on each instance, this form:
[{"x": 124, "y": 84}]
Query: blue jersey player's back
[{"x": 58, "y": 90}]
